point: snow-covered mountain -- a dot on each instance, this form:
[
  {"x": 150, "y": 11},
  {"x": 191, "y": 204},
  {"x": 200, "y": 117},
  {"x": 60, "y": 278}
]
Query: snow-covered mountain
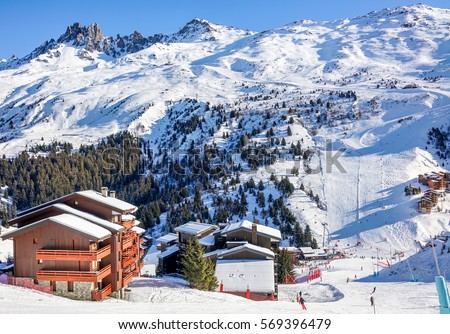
[{"x": 372, "y": 85}]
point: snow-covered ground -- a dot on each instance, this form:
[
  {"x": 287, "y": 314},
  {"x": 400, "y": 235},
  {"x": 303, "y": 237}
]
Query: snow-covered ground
[
  {"x": 6, "y": 246},
  {"x": 169, "y": 295}
]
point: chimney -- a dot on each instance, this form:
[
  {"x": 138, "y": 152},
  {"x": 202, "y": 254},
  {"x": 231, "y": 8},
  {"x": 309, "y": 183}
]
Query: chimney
[
  {"x": 105, "y": 191},
  {"x": 112, "y": 193},
  {"x": 254, "y": 234}
]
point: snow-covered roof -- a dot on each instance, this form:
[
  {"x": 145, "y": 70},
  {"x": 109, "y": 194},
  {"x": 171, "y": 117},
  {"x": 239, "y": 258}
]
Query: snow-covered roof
[
  {"x": 96, "y": 220},
  {"x": 138, "y": 230},
  {"x": 306, "y": 250},
  {"x": 236, "y": 242},
  {"x": 261, "y": 229},
  {"x": 6, "y": 266},
  {"x": 169, "y": 251},
  {"x": 126, "y": 218},
  {"x": 70, "y": 221},
  {"x": 194, "y": 228},
  {"x": 169, "y": 237},
  {"x": 216, "y": 252},
  {"x": 315, "y": 253},
  {"x": 208, "y": 240},
  {"x": 110, "y": 201},
  {"x": 251, "y": 248},
  {"x": 114, "y": 203},
  {"x": 290, "y": 249},
  {"x": 237, "y": 275},
  {"x": 85, "y": 215}
]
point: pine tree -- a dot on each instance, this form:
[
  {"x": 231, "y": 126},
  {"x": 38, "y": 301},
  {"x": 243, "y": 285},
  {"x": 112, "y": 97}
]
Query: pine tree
[
  {"x": 285, "y": 266},
  {"x": 260, "y": 185},
  {"x": 298, "y": 235},
  {"x": 197, "y": 270}
]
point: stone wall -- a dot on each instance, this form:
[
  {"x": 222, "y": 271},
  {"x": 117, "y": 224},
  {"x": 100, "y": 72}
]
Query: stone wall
[{"x": 81, "y": 290}]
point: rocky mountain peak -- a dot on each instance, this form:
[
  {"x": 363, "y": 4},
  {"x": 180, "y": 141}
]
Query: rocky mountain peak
[
  {"x": 90, "y": 37},
  {"x": 196, "y": 29}
]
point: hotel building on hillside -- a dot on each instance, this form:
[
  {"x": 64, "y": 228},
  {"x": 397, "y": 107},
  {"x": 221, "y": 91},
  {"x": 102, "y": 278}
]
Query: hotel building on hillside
[{"x": 85, "y": 245}]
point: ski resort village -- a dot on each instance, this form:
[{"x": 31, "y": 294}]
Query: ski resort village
[{"x": 303, "y": 169}]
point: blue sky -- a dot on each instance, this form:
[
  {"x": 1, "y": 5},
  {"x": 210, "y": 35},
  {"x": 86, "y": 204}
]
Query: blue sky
[{"x": 25, "y": 24}]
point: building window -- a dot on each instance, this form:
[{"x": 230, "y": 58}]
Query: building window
[
  {"x": 76, "y": 202},
  {"x": 35, "y": 241},
  {"x": 39, "y": 261}
]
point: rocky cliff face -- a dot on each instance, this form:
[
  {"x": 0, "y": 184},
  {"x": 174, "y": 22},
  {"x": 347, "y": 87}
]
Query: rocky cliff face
[{"x": 91, "y": 38}]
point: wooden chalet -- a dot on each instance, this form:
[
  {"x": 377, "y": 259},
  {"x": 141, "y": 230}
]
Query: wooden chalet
[
  {"x": 85, "y": 245},
  {"x": 244, "y": 254},
  {"x": 253, "y": 233},
  {"x": 247, "y": 253},
  {"x": 173, "y": 244},
  {"x": 310, "y": 254},
  {"x": 193, "y": 230},
  {"x": 435, "y": 180},
  {"x": 247, "y": 267},
  {"x": 165, "y": 241}
]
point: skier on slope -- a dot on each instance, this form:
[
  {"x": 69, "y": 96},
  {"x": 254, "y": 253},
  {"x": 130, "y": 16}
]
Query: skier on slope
[
  {"x": 302, "y": 302},
  {"x": 374, "y": 288},
  {"x": 299, "y": 295},
  {"x": 372, "y": 301}
]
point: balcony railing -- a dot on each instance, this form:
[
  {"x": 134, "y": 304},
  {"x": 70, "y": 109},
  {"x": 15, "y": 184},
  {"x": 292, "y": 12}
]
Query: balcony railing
[
  {"x": 128, "y": 240},
  {"x": 126, "y": 262},
  {"x": 74, "y": 276},
  {"x": 127, "y": 243},
  {"x": 127, "y": 279},
  {"x": 72, "y": 255},
  {"x": 98, "y": 295},
  {"x": 130, "y": 252},
  {"x": 127, "y": 224}
]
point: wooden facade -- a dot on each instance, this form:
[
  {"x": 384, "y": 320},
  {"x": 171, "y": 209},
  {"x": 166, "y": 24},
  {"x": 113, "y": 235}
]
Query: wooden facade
[
  {"x": 437, "y": 182},
  {"x": 84, "y": 244}
]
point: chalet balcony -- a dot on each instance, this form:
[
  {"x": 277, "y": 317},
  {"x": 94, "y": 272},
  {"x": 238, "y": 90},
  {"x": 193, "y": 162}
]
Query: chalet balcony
[
  {"x": 127, "y": 224},
  {"x": 129, "y": 252},
  {"x": 126, "y": 262},
  {"x": 98, "y": 295},
  {"x": 74, "y": 276},
  {"x": 72, "y": 255},
  {"x": 127, "y": 279},
  {"x": 131, "y": 268},
  {"x": 128, "y": 240}
]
